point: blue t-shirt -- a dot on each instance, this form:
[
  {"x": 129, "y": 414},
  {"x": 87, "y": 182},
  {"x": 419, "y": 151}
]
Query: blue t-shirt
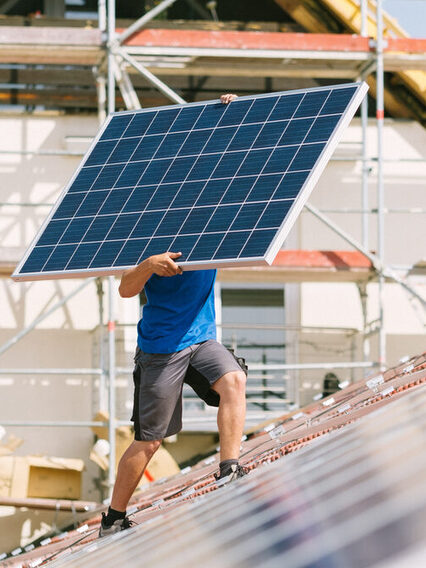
[{"x": 179, "y": 311}]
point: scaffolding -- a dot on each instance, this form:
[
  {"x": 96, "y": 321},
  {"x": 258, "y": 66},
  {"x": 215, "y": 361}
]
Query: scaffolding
[{"x": 116, "y": 58}]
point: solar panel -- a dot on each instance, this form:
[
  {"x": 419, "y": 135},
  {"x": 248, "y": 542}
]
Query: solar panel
[{"x": 223, "y": 184}]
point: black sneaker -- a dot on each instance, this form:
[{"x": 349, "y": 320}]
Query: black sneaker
[
  {"x": 117, "y": 526},
  {"x": 236, "y": 472}
]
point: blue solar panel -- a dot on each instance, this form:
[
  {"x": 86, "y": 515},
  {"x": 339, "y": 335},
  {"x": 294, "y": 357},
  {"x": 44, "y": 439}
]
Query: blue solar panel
[{"x": 223, "y": 184}]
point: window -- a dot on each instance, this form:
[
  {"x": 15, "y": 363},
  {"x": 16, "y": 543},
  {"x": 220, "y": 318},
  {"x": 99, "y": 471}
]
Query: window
[{"x": 252, "y": 323}]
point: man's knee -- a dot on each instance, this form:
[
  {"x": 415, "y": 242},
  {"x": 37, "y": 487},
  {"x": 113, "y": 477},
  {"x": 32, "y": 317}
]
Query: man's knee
[
  {"x": 231, "y": 385},
  {"x": 148, "y": 447}
]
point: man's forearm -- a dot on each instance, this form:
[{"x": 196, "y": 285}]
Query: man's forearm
[{"x": 134, "y": 279}]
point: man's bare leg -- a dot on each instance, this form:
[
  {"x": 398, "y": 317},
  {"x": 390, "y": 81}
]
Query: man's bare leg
[
  {"x": 130, "y": 470},
  {"x": 231, "y": 414}
]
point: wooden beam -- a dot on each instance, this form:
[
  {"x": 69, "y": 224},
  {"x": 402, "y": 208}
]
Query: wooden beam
[
  {"x": 303, "y": 15},
  {"x": 258, "y": 70}
]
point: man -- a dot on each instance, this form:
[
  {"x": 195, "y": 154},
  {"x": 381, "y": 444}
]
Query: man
[{"x": 177, "y": 331}]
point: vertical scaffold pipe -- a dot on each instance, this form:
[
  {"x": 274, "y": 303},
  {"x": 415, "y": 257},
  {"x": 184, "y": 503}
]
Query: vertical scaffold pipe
[
  {"x": 364, "y": 125},
  {"x": 380, "y": 185},
  {"x": 110, "y": 40},
  {"x": 111, "y": 384},
  {"x": 111, "y": 319},
  {"x": 103, "y": 399},
  {"x": 364, "y": 186}
]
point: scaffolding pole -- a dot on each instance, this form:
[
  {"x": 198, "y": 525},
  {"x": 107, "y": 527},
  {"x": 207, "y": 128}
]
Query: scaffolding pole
[
  {"x": 127, "y": 90},
  {"x": 101, "y": 90},
  {"x": 110, "y": 57},
  {"x": 364, "y": 125},
  {"x": 51, "y": 371},
  {"x": 380, "y": 183},
  {"x": 101, "y": 81},
  {"x": 111, "y": 385},
  {"x": 364, "y": 191},
  {"x": 150, "y": 77},
  {"x": 111, "y": 318},
  {"x": 103, "y": 399}
]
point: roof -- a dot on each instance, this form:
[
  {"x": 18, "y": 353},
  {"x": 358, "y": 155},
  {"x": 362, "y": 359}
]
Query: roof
[
  {"x": 342, "y": 482},
  {"x": 267, "y": 41},
  {"x": 307, "y": 266},
  {"x": 336, "y": 259}
]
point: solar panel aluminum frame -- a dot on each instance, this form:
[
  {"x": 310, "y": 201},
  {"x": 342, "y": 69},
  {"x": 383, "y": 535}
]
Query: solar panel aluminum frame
[{"x": 282, "y": 232}]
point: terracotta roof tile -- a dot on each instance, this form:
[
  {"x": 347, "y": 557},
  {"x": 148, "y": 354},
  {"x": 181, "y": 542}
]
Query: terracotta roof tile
[
  {"x": 322, "y": 259},
  {"x": 287, "y": 436}
]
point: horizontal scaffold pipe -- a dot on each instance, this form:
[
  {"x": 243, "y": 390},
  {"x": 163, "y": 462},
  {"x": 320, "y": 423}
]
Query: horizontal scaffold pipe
[
  {"x": 49, "y": 424},
  {"x": 51, "y": 372},
  {"x": 291, "y": 366}
]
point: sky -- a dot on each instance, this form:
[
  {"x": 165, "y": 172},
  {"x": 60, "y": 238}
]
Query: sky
[{"x": 411, "y": 15}]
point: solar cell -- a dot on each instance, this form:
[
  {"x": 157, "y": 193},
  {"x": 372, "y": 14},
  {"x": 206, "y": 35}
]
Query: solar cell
[{"x": 223, "y": 184}]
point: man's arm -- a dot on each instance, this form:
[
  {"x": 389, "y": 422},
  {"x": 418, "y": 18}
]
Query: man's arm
[{"x": 134, "y": 279}]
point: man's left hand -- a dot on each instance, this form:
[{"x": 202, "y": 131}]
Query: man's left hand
[{"x": 229, "y": 97}]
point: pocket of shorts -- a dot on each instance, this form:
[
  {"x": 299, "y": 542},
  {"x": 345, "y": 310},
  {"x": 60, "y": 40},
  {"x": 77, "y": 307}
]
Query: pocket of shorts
[
  {"x": 142, "y": 358},
  {"x": 155, "y": 375}
]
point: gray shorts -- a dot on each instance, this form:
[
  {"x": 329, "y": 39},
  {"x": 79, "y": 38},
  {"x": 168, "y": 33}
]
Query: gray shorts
[{"x": 159, "y": 378}]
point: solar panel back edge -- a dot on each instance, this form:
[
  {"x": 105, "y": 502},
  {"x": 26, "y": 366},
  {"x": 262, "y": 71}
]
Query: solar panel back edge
[{"x": 126, "y": 119}]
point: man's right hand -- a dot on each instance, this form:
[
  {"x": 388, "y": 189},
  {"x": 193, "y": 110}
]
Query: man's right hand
[
  {"x": 164, "y": 264},
  {"x": 134, "y": 279}
]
